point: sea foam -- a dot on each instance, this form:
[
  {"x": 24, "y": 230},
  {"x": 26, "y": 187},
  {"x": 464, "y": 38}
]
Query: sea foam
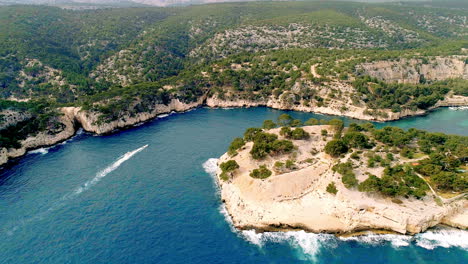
[
  {"x": 443, "y": 237},
  {"x": 379, "y": 239},
  {"x": 211, "y": 166},
  {"x": 42, "y": 151},
  {"x": 308, "y": 243},
  {"x": 311, "y": 243}
]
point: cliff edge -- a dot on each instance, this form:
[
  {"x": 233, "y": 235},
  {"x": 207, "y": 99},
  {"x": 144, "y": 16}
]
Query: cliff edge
[{"x": 300, "y": 197}]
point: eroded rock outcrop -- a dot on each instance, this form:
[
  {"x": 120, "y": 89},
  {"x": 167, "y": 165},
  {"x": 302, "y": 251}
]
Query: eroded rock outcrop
[
  {"x": 63, "y": 131},
  {"x": 90, "y": 120},
  {"x": 415, "y": 70},
  {"x": 298, "y": 198},
  {"x": 76, "y": 117}
]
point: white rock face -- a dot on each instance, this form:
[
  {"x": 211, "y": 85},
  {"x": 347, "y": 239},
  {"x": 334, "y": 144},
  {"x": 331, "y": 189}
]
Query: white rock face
[
  {"x": 40, "y": 140},
  {"x": 298, "y": 199},
  {"x": 413, "y": 70},
  {"x": 88, "y": 120},
  {"x": 75, "y": 117}
]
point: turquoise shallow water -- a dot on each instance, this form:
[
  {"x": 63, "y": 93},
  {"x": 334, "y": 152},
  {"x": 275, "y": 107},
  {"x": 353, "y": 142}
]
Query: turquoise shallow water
[{"x": 110, "y": 199}]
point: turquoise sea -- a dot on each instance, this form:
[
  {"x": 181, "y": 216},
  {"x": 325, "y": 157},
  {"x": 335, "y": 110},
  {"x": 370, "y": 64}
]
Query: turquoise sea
[{"x": 146, "y": 195}]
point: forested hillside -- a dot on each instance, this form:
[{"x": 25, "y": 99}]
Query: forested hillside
[{"x": 380, "y": 59}]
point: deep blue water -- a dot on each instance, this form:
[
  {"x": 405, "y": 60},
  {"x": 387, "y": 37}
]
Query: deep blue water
[{"x": 83, "y": 202}]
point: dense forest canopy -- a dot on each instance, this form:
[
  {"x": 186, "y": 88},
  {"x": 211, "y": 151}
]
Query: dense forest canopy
[{"x": 118, "y": 61}]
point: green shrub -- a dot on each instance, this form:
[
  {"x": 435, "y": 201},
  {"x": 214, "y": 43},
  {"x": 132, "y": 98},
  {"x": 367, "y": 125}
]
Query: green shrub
[
  {"x": 299, "y": 134},
  {"x": 407, "y": 153},
  {"x": 371, "y": 184},
  {"x": 336, "y": 147},
  {"x": 261, "y": 173},
  {"x": 357, "y": 140},
  {"x": 236, "y": 144},
  {"x": 347, "y": 175},
  {"x": 401, "y": 181},
  {"x": 251, "y": 132},
  {"x": 290, "y": 164},
  {"x": 268, "y": 124},
  {"x": 450, "y": 181},
  {"x": 229, "y": 166},
  {"x": 266, "y": 143},
  {"x": 331, "y": 188},
  {"x": 281, "y": 146},
  {"x": 337, "y": 125},
  {"x": 296, "y": 123},
  {"x": 286, "y": 132},
  {"x": 260, "y": 150},
  {"x": 311, "y": 122},
  {"x": 324, "y": 132},
  {"x": 390, "y": 157},
  {"x": 285, "y": 120}
]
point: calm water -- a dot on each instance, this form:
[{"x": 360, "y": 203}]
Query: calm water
[{"x": 108, "y": 199}]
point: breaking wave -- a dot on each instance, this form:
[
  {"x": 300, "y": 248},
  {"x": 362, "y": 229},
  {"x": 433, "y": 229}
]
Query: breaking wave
[
  {"x": 379, "y": 239},
  {"x": 42, "y": 151},
  {"x": 443, "y": 237},
  {"x": 310, "y": 244},
  {"x": 211, "y": 166},
  {"x": 456, "y": 108}
]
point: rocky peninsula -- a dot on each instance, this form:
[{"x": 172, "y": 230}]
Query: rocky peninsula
[
  {"x": 304, "y": 187},
  {"x": 73, "y": 118}
]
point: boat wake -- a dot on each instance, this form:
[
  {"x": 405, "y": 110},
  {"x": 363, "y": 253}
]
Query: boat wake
[
  {"x": 86, "y": 186},
  {"x": 310, "y": 244},
  {"x": 106, "y": 171}
]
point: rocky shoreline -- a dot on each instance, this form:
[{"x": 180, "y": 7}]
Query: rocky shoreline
[
  {"x": 75, "y": 117},
  {"x": 298, "y": 199}
]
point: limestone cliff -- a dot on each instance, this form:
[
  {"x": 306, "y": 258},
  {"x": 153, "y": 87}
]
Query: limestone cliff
[
  {"x": 76, "y": 117},
  {"x": 297, "y": 198},
  {"x": 89, "y": 120},
  {"x": 41, "y": 139},
  {"x": 415, "y": 70},
  {"x": 334, "y": 108}
]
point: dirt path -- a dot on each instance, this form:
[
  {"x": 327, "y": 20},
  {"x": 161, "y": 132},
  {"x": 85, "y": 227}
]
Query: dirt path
[{"x": 314, "y": 71}]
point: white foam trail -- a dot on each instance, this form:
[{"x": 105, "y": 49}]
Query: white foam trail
[
  {"x": 107, "y": 170},
  {"x": 86, "y": 186},
  {"x": 42, "y": 151}
]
